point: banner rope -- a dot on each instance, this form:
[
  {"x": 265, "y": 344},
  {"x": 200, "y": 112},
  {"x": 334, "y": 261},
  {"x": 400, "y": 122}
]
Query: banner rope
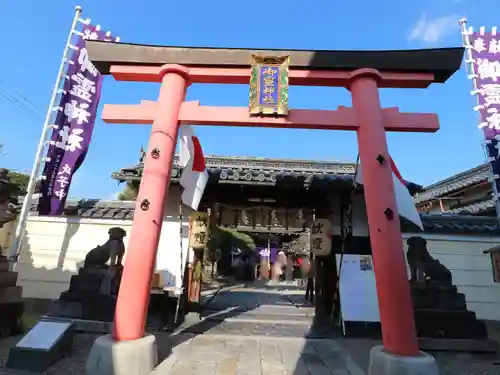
[{"x": 181, "y": 275}]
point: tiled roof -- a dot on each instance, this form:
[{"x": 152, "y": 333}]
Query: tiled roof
[
  {"x": 456, "y": 224},
  {"x": 265, "y": 171},
  {"x": 475, "y": 208},
  {"x": 252, "y": 169},
  {"x": 441, "y": 223},
  {"x": 97, "y": 209},
  {"x": 454, "y": 183}
]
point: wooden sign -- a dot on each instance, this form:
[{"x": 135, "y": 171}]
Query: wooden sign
[
  {"x": 321, "y": 237},
  {"x": 495, "y": 262},
  {"x": 269, "y": 85},
  {"x": 199, "y": 232}
]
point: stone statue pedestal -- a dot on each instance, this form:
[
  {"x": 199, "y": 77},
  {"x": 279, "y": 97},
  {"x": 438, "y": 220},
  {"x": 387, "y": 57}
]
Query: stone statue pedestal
[
  {"x": 91, "y": 295},
  {"x": 11, "y": 304},
  {"x": 441, "y": 313}
]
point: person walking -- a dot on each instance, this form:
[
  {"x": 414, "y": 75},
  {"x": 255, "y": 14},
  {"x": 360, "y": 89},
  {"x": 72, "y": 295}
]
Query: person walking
[{"x": 308, "y": 271}]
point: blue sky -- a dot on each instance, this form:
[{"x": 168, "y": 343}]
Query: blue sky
[{"x": 32, "y": 38}]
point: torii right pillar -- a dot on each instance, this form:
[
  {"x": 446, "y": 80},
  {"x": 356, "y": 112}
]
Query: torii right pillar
[{"x": 400, "y": 353}]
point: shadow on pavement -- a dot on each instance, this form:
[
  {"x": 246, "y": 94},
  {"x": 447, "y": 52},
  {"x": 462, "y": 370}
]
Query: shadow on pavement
[{"x": 262, "y": 321}]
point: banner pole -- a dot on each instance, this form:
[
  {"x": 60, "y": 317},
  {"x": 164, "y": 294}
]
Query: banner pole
[
  {"x": 471, "y": 72},
  {"x": 23, "y": 215},
  {"x": 179, "y": 297}
]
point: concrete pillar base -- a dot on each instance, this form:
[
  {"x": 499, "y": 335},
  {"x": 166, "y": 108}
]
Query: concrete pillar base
[
  {"x": 385, "y": 363},
  {"x": 109, "y": 357}
]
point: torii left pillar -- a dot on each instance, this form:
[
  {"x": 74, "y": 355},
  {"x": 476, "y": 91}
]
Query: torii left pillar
[{"x": 128, "y": 350}]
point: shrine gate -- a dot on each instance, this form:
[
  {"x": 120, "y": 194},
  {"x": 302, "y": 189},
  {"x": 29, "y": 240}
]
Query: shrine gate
[{"x": 361, "y": 72}]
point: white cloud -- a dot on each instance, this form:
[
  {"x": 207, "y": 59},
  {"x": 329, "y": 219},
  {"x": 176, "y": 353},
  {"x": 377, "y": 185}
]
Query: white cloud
[
  {"x": 114, "y": 196},
  {"x": 433, "y": 30}
]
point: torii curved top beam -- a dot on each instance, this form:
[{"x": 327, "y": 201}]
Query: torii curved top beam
[{"x": 442, "y": 63}]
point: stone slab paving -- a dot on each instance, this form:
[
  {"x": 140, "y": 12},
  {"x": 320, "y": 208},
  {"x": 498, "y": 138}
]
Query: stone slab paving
[
  {"x": 257, "y": 355},
  {"x": 256, "y": 330},
  {"x": 450, "y": 363},
  {"x": 260, "y": 332},
  {"x": 252, "y": 297}
]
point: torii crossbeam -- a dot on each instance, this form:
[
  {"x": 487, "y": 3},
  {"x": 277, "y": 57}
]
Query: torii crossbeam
[
  {"x": 361, "y": 72},
  {"x": 344, "y": 118}
]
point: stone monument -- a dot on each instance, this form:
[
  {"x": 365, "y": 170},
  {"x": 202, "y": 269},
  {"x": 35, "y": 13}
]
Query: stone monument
[
  {"x": 11, "y": 304},
  {"x": 440, "y": 310},
  {"x": 92, "y": 293}
]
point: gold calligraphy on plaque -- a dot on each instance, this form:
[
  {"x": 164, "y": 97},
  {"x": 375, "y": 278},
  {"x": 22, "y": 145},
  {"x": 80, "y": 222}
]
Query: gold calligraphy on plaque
[
  {"x": 199, "y": 231},
  {"x": 321, "y": 237},
  {"x": 269, "y": 85}
]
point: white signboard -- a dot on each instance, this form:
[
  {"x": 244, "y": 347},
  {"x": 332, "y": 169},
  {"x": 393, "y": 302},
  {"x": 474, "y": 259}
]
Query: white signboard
[
  {"x": 358, "y": 294},
  {"x": 43, "y": 335},
  {"x": 172, "y": 254}
]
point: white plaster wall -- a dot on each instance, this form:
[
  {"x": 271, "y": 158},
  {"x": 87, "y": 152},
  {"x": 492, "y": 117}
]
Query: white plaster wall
[
  {"x": 55, "y": 247},
  {"x": 462, "y": 255}
]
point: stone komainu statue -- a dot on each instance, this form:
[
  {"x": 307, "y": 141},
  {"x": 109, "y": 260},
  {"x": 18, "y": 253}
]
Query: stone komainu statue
[
  {"x": 423, "y": 266},
  {"x": 113, "y": 251},
  {"x": 92, "y": 293}
]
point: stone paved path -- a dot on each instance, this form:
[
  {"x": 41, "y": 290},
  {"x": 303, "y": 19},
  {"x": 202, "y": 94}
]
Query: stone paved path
[
  {"x": 260, "y": 333},
  {"x": 256, "y": 355},
  {"x": 256, "y": 331}
]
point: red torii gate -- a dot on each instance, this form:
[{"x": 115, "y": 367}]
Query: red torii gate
[{"x": 369, "y": 71}]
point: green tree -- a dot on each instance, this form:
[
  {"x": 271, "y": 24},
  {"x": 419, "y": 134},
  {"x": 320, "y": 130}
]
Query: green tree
[
  {"x": 20, "y": 180},
  {"x": 224, "y": 240},
  {"x": 130, "y": 191}
]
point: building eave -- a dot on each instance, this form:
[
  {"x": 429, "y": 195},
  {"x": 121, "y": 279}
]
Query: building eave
[
  {"x": 476, "y": 208},
  {"x": 454, "y": 183},
  {"x": 254, "y": 170}
]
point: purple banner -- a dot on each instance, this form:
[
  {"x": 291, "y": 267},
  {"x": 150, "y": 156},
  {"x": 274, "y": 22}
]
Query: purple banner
[
  {"x": 73, "y": 126},
  {"x": 485, "y": 49}
]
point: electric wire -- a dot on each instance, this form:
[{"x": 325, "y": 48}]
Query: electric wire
[{"x": 20, "y": 100}]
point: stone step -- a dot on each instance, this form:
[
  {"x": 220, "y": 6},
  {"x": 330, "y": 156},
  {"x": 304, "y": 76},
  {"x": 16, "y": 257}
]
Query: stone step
[
  {"x": 450, "y": 324},
  {"x": 8, "y": 278},
  {"x": 260, "y": 329},
  {"x": 454, "y": 345},
  {"x": 4, "y": 264},
  {"x": 261, "y": 310},
  {"x": 221, "y": 315},
  {"x": 267, "y": 320},
  {"x": 10, "y": 314},
  {"x": 11, "y": 294},
  {"x": 78, "y": 310},
  {"x": 250, "y": 317},
  {"x": 87, "y": 283},
  {"x": 66, "y": 309}
]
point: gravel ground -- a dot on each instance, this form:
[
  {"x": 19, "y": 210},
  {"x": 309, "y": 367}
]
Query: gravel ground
[
  {"x": 75, "y": 365},
  {"x": 71, "y": 365}
]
